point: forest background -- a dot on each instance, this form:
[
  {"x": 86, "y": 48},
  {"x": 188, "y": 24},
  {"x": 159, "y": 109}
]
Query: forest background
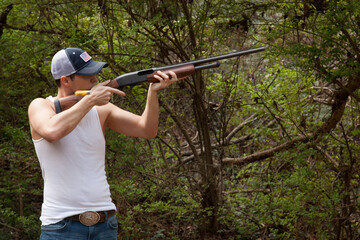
[{"x": 264, "y": 147}]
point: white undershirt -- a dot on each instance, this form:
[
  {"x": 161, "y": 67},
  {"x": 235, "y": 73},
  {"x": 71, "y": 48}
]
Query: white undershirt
[{"x": 73, "y": 170}]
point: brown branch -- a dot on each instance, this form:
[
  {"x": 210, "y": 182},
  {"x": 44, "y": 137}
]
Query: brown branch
[
  {"x": 328, "y": 157},
  {"x": 10, "y": 227},
  {"x": 151, "y": 34},
  {"x": 338, "y": 107},
  {"x": 353, "y": 44},
  {"x": 29, "y": 28},
  {"x": 189, "y": 23},
  {"x": 182, "y": 129},
  {"x": 239, "y": 127},
  {"x": 3, "y": 17},
  {"x": 170, "y": 147},
  {"x": 351, "y": 93},
  {"x": 246, "y": 191},
  {"x": 258, "y": 156},
  {"x": 232, "y": 142}
]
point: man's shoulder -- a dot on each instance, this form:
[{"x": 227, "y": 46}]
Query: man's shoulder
[
  {"x": 40, "y": 103},
  {"x": 39, "y": 99},
  {"x": 104, "y": 110}
]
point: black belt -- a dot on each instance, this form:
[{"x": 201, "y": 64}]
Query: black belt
[{"x": 90, "y": 218}]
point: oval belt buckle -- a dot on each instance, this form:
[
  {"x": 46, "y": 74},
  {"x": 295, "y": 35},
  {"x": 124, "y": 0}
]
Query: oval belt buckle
[{"x": 89, "y": 218}]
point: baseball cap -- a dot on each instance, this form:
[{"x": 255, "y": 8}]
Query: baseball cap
[{"x": 74, "y": 61}]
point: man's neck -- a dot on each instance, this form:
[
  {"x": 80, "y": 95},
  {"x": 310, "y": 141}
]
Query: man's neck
[{"x": 63, "y": 93}]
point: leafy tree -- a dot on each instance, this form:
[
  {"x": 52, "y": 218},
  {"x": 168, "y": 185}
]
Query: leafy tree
[{"x": 266, "y": 146}]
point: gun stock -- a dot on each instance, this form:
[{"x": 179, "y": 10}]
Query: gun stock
[{"x": 182, "y": 70}]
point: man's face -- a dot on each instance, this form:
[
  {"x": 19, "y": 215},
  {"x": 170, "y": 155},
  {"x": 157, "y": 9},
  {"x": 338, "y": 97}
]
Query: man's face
[{"x": 83, "y": 82}]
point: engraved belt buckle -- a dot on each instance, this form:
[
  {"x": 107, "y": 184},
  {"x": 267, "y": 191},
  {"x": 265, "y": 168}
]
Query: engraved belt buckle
[{"x": 89, "y": 218}]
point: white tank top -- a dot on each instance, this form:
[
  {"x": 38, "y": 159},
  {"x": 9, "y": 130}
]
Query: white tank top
[{"x": 73, "y": 170}]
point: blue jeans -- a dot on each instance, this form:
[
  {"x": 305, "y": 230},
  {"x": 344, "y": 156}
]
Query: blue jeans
[{"x": 68, "y": 229}]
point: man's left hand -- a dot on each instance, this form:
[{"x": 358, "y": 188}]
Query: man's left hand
[{"x": 164, "y": 80}]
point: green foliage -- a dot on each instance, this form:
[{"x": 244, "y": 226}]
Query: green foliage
[
  {"x": 293, "y": 199},
  {"x": 20, "y": 185},
  {"x": 147, "y": 205},
  {"x": 162, "y": 189}
]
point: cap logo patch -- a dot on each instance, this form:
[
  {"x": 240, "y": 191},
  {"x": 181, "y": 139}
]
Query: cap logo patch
[{"x": 85, "y": 56}]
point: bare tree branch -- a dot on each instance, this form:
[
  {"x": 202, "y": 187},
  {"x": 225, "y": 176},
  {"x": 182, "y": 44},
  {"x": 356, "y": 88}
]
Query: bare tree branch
[
  {"x": 182, "y": 129},
  {"x": 3, "y": 17},
  {"x": 258, "y": 156},
  {"x": 246, "y": 191},
  {"x": 239, "y": 127}
]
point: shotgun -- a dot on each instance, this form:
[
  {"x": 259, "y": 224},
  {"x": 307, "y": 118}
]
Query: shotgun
[{"x": 182, "y": 70}]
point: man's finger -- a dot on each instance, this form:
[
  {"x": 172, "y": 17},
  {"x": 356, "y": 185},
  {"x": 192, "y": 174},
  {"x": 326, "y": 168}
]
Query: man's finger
[
  {"x": 173, "y": 76},
  {"x": 158, "y": 77},
  {"x": 117, "y": 91},
  {"x": 104, "y": 83},
  {"x": 163, "y": 75}
]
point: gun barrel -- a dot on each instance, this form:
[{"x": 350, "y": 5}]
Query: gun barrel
[
  {"x": 214, "y": 58},
  {"x": 210, "y": 65},
  {"x": 228, "y": 55}
]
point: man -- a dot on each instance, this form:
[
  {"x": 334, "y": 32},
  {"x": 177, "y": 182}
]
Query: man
[{"x": 70, "y": 147}]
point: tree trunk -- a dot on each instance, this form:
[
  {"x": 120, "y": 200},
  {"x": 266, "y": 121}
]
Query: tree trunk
[{"x": 209, "y": 190}]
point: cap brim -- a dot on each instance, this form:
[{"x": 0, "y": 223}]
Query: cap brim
[{"x": 92, "y": 68}]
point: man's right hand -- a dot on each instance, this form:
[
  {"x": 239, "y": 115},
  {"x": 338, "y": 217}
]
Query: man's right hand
[{"x": 101, "y": 94}]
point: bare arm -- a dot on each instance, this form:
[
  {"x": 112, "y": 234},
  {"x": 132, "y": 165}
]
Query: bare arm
[
  {"x": 45, "y": 123},
  {"x": 146, "y": 125},
  {"x": 127, "y": 123}
]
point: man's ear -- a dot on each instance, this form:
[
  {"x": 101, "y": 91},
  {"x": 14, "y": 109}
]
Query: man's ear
[{"x": 65, "y": 81}]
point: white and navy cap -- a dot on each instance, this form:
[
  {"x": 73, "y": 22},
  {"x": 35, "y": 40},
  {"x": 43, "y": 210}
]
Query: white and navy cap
[{"x": 74, "y": 61}]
